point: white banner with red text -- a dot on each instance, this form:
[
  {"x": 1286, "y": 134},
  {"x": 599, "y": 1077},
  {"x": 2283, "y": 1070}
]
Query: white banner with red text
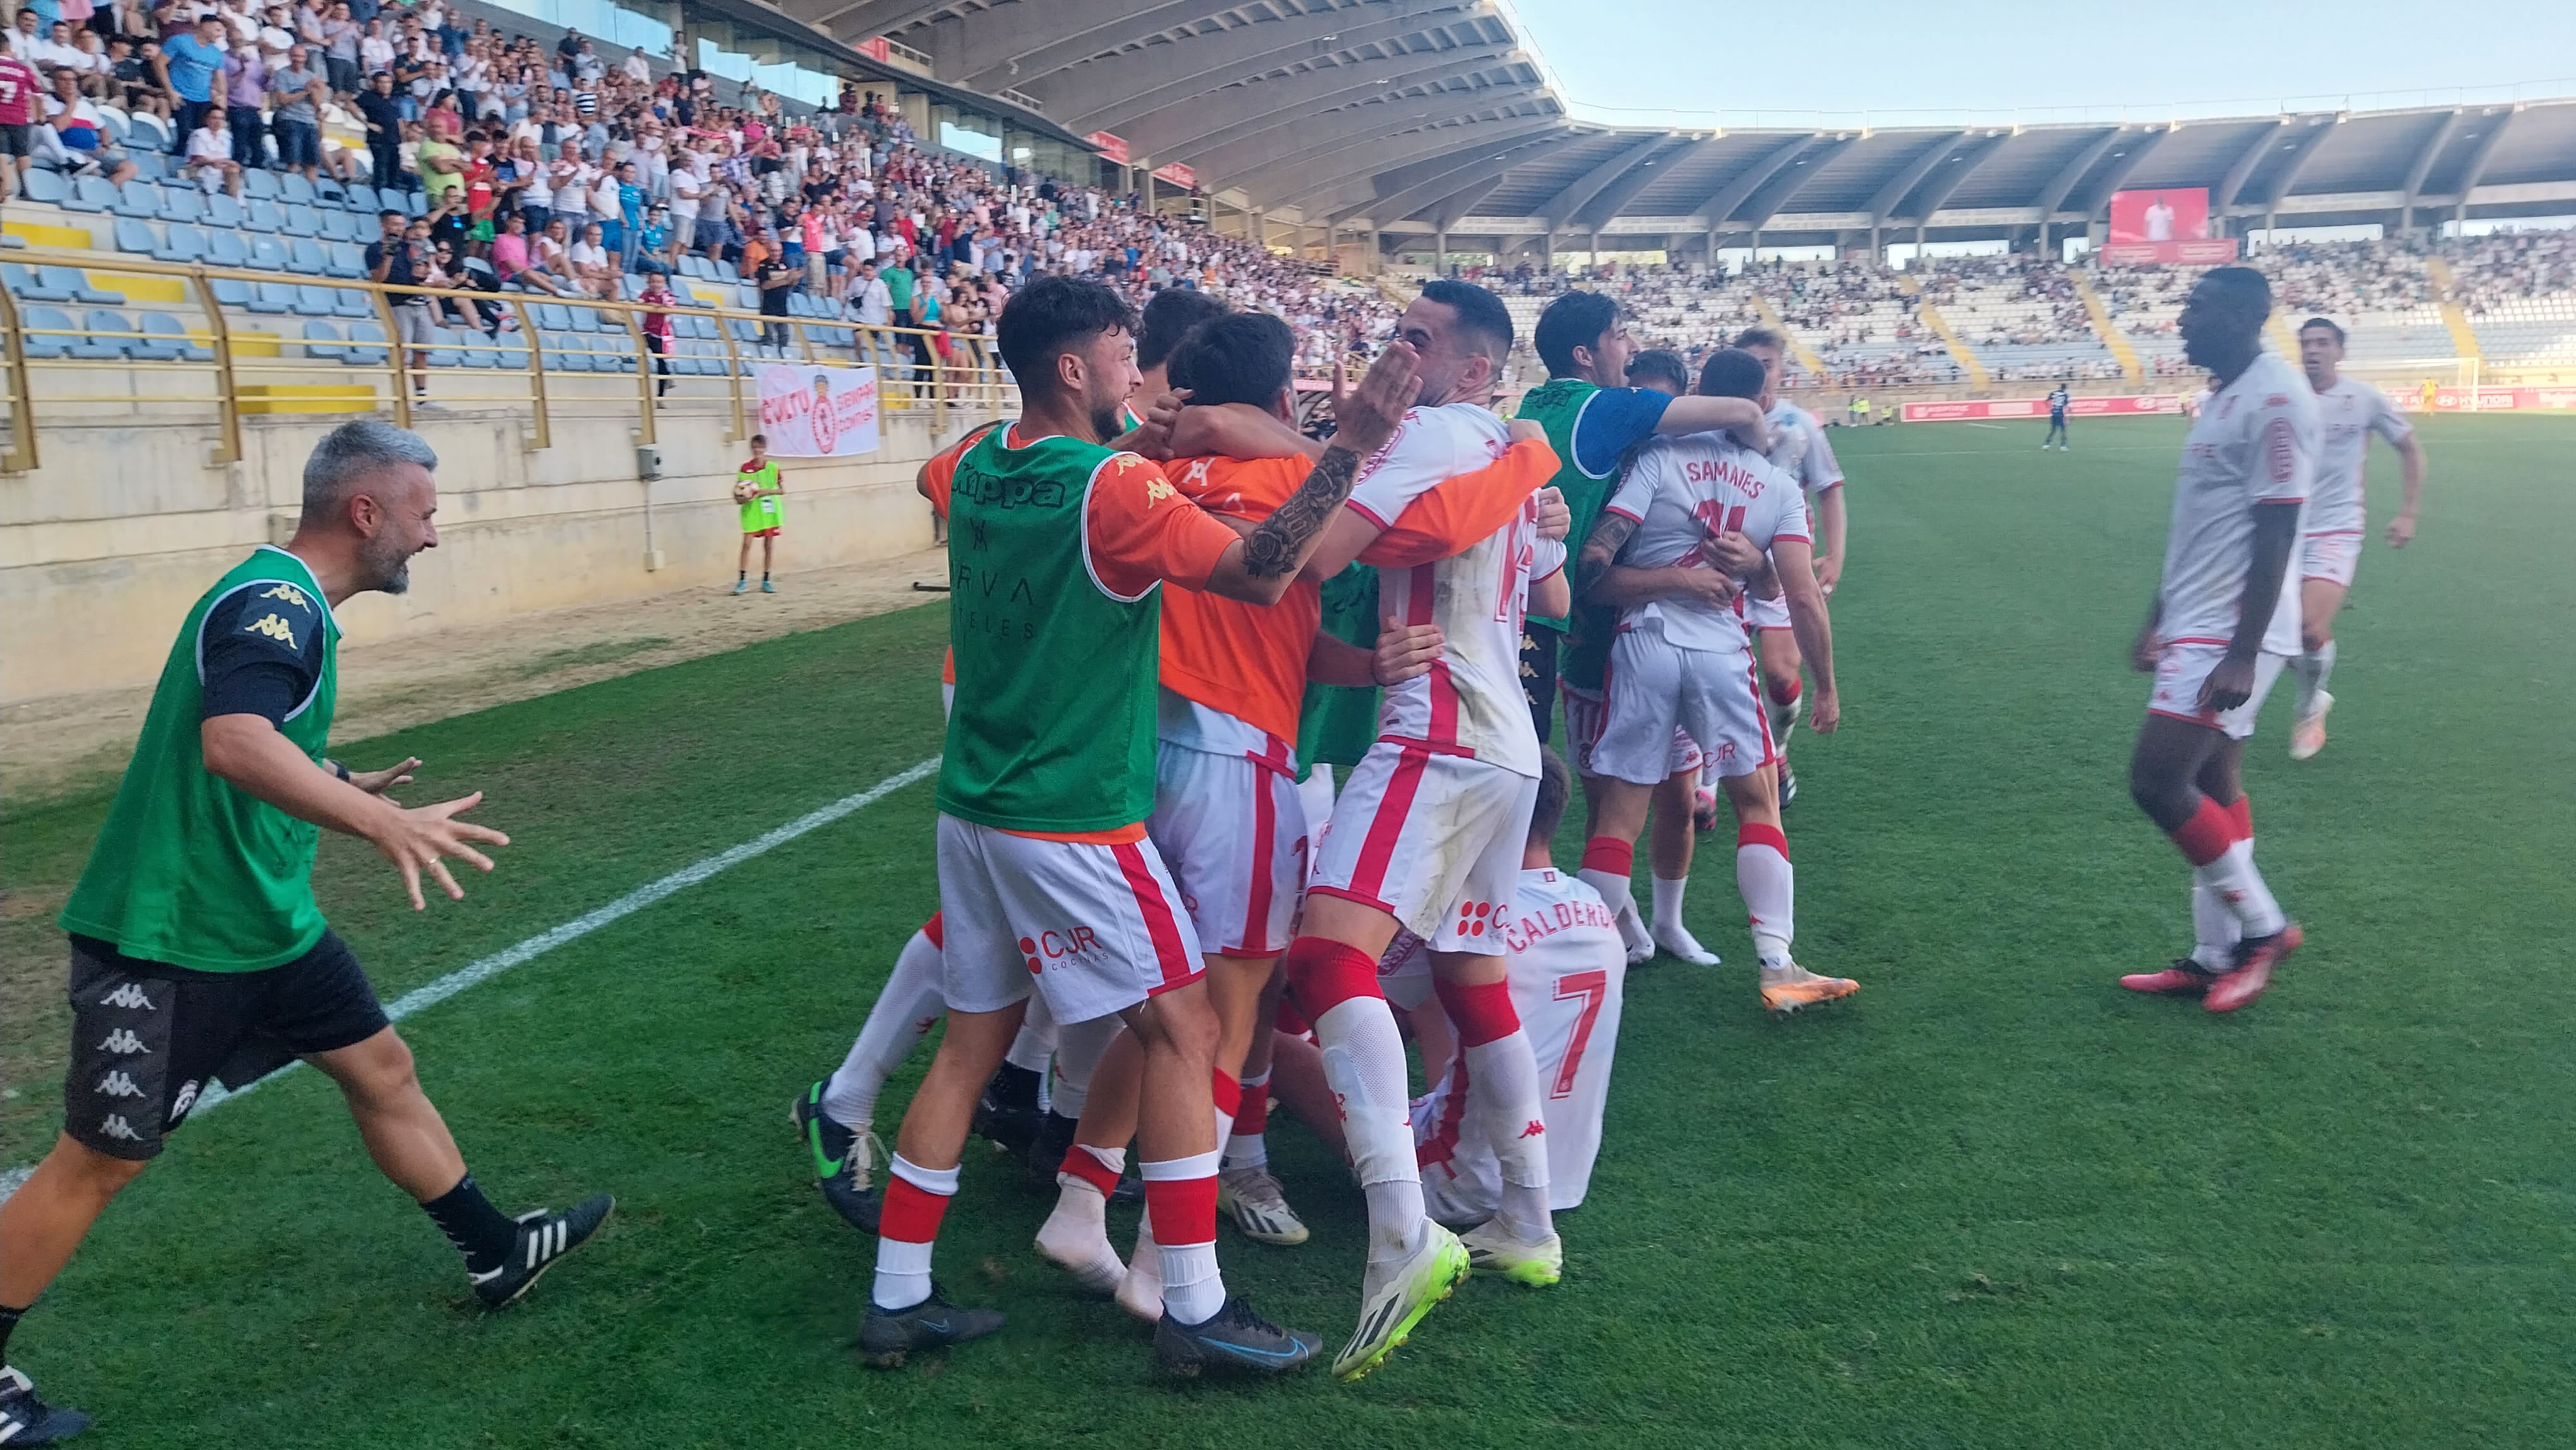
[{"x": 811, "y": 412}]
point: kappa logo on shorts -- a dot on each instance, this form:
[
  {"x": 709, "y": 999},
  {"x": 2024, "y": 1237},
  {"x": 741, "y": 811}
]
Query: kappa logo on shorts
[
  {"x": 1056, "y": 945},
  {"x": 129, "y": 996},
  {"x": 1535, "y": 1129},
  {"x": 116, "y": 1127},
  {"x": 186, "y": 1099},
  {"x": 124, "y": 1042},
  {"x": 117, "y": 1085},
  {"x": 1472, "y": 917}
]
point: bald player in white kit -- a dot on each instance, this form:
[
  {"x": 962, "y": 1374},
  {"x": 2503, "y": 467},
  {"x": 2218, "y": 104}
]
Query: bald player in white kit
[
  {"x": 1799, "y": 449},
  {"x": 2339, "y": 515}
]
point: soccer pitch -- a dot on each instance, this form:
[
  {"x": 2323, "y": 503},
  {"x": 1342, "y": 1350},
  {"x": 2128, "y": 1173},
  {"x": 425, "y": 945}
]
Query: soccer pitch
[{"x": 1992, "y": 1201}]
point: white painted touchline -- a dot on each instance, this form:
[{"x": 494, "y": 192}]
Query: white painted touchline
[{"x": 580, "y": 926}]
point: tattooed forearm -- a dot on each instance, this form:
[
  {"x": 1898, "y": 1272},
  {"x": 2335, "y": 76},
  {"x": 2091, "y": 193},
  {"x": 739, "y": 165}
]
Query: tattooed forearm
[
  {"x": 1278, "y": 546},
  {"x": 1600, "y": 549}
]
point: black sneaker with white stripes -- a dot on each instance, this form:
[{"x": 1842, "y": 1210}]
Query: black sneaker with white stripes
[
  {"x": 26, "y": 1420},
  {"x": 544, "y": 1236},
  {"x": 887, "y": 1335}
]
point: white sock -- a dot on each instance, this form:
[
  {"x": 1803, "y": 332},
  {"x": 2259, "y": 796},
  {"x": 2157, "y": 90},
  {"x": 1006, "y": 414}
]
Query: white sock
[
  {"x": 1769, "y": 885},
  {"x": 1248, "y": 1150},
  {"x": 2313, "y": 667},
  {"x": 903, "y": 1266},
  {"x": 1364, "y": 1065},
  {"x": 1617, "y": 892},
  {"x": 1079, "y": 1048},
  {"x": 1076, "y": 1234},
  {"x": 904, "y": 1013},
  {"x": 1670, "y": 934},
  {"x": 2214, "y": 929},
  {"x": 2240, "y": 888},
  {"x": 1140, "y": 1290},
  {"x": 1036, "y": 1037},
  {"x": 1503, "y": 1088},
  {"x": 1193, "y": 1290}
]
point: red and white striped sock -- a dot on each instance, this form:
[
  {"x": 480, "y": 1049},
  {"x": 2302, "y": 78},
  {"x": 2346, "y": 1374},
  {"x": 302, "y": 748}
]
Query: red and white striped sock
[
  {"x": 1608, "y": 866},
  {"x": 1076, "y": 1234},
  {"x": 1249, "y": 1147},
  {"x": 916, "y": 1200},
  {"x": 1503, "y": 1068},
  {"x": 1180, "y": 1196},
  {"x": 1336, "y": 986},
  {"x": 1770, "y": 888}
]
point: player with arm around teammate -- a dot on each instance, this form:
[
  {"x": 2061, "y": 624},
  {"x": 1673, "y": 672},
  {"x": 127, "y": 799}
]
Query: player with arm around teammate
[
  {"x": 2223, "y": 625},
  {"x": 198, "y": 951},
  {"x": 1798, "y": 448},
  {"x": 2349, "y": 412},
  {"x": 1707, "y": 502}
]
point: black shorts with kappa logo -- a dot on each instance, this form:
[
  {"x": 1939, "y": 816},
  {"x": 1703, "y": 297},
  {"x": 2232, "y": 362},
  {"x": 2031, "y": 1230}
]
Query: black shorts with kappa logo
[{"x": 147, "y": 1037}]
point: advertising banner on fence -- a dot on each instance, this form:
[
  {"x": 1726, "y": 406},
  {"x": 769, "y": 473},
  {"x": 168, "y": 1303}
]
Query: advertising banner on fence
[
  {"x": 1998, "y": 408},
  {"x": 2492, "y": 400},
  {"x": 2170, "y": 225},
  {"x": 811, "y": 412}
]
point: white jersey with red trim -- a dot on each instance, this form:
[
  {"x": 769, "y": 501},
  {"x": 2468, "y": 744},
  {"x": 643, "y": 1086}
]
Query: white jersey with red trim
[
  {"x": 1679, "y": 491},
  {"x": 2255, "y": 443},
  {"x": 1799, "y": 449},
  {"x": 1470, "y": 703},
  {"x": 1567, "y": 969},
  {"x": 2349, "y": 412}
]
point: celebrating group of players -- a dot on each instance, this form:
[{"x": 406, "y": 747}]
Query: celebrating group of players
[
  {"x": 1155, "y": 904},
  {"x": 1156, "y": 909}
]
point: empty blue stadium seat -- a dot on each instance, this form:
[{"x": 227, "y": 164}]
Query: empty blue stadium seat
[
  {"x": 302, "y": 220},
  {"x": 89, "y": 193},
  {"x": 268, "y": 254},
  {"x": 169, "y": 341},
  {"x": 224, "y": 248},
  {"x": 584, "y": 319},
  {"x": 416, "y": 203},
  {"x": 551, "y": 316},
  {"x": 224, "y": 210},
  {"x": 479, "y": 353},
  {"x": 136, "y": 236},
  {"x": 559, "y": 354},
  {"x": 340, "y": 226},
  {"x": 182, "y": 204},
  {"x": 138, "y": 198},
  {"x": 510, "y": 350},
  {"x": 51, "y": 187},
  {"x": 70, "y": 279},
  {"x": 30, "y": 286},
  {"x": 101, "y": 339},
  {"x": 350, "y": 302},
  {"x": 347, "y": 260},
  {"x": 232, "y": 292},
  {"x": 150, "y": 165},
  {"x": 259, "y": 214},
  {"x": 322, "y": 340},
  {"x": 312, "y": 301},
  {"x": 46, "y": 332},
  {"x": 294, "y": 190},
  {"x": 362, "y": 199},
  {"x": 273, "y": 297},
  {"x": 147, "y": 131},
  {"x": 183, "y": 244},
  {"x": 259, "y": 184},
  {"x": 305, "y": 255},
  {"x": 360, "y": 355},
  {"x": 446, "y": 349}
]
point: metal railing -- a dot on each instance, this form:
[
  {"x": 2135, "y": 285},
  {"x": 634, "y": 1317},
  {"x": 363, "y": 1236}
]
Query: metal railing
[{"x": 222, "y": 356}]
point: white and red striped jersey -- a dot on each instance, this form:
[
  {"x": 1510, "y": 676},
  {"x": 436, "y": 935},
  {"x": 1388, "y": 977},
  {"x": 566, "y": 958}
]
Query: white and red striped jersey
[
  {"x": 2349, "y": 412},
  {"x": 1799, "y": 449},
  {"x": 1679, "y": 492},
  {"x": 1567, "y": 968},
  {"x": 2255, "y": 442},
  {"x": 1470, "y": 703}
]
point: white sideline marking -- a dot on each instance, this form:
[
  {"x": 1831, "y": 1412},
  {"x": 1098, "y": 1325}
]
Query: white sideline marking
[
  {"x": 634, "y": 901},
  {"x": 1998, "y": 427}
]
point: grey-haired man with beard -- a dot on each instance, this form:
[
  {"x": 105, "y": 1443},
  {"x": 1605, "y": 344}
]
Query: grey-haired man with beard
[{"x": 198, "y": 952}]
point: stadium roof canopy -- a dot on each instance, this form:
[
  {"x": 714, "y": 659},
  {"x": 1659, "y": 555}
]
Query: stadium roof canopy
[{"x": 1420, "y": 117}]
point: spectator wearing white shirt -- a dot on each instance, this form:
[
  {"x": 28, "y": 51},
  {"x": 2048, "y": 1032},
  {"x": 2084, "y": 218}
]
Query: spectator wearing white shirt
[{"x": 209, "y": 158}]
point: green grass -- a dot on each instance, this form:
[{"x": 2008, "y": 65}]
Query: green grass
[{"x": 1993, "y": 1201}]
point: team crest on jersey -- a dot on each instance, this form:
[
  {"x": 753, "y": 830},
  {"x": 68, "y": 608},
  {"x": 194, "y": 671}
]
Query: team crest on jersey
[{"x": 275, "y": 628}]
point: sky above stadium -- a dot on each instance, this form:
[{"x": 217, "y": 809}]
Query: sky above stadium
[{"x": 1971, "y": 58}]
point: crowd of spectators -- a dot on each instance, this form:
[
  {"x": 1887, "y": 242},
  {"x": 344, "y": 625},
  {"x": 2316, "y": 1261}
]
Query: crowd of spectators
[{"x": 557, "y": 169}]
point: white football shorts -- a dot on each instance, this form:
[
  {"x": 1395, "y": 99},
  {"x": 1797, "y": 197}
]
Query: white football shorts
[
  {"x": 1586, "y": 712},
  {"x": 1095, "y": 928},
  {"x": 1657, "y": 687},
  {"x": 2332, "y": 557},
  {"x": 1433, "y": 840},
  {"x": 2183, "y": 666},
  {"x": 1234, "y": 835}
]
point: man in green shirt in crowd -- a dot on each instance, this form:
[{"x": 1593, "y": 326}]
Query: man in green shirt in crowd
[{"x": 198, "y": 952}]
